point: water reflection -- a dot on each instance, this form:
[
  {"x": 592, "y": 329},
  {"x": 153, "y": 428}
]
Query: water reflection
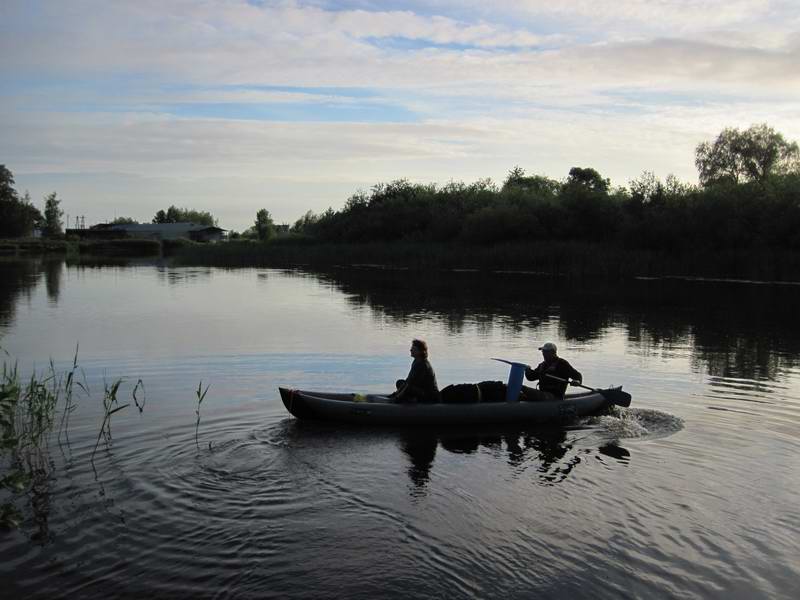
[
  {"x": 184, "y": 276},
  {"x": 420, "y": 449},
  {"x": 53, "y": 270},
  {"x": 732, "y": 329},
  {"x": 19, "y": 278},
  {"x": 728, "y": 330},
  {"x": 548, "y": 451}
]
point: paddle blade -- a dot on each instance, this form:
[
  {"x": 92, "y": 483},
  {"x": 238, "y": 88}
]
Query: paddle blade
[{"x": 617, "y": 396}]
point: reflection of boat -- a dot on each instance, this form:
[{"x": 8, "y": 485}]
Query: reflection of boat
[{"x": 381, "y": 410}]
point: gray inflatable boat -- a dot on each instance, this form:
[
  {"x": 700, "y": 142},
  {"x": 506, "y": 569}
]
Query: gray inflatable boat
[{"x": 381, "y": 410}]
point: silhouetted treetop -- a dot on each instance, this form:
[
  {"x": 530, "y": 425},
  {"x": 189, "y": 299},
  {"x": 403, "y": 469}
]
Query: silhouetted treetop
[
  {"x": 184, "y": 215},
  {"x": 18, "y": 216},
  {"x": 750, "y": 155}
]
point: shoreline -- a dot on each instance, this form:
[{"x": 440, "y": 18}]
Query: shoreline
[
  {"x": 558, "y": 259},
  {"x": 562, "y": 259}
]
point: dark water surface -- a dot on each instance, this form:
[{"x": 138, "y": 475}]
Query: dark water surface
[{"x": 691, "y": 493}]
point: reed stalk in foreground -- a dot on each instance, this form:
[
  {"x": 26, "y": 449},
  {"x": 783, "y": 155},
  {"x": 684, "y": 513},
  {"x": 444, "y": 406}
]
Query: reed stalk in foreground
[
  {"x": 27, "y": 420},
  {"x": 110, "y": 405},
  {"x": 201, "y": 394},
  {"x": 28, "y": 417}
]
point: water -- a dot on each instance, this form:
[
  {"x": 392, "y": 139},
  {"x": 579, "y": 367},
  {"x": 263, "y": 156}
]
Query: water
[{"x": 690, "y": 493}]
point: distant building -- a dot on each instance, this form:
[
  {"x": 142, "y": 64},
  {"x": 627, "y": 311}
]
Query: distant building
[{"x": 154, "y": 231}]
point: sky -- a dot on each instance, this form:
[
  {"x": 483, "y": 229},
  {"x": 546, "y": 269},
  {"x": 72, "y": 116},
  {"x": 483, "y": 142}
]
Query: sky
[{"x": 230, "y": 106}]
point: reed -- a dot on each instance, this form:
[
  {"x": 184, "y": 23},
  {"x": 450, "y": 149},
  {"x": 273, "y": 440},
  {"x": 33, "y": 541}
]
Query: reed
[
  {"x": 31, "y": 411},
  {"x": 111, "y": 406},
  {"x": 121, "y": 247},
  {"x": 27, "y": 420},
  {"x": 201, "y": 395}
]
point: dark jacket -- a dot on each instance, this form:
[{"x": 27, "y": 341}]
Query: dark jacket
[
  {"x": 557, "y": 368},
  {"x": 421, "y": 382}
]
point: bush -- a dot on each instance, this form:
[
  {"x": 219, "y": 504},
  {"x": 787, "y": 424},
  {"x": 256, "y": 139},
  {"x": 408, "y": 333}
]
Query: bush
[
  {"x": 123, "y": 247},
  {"x": 171, "y": 247}
]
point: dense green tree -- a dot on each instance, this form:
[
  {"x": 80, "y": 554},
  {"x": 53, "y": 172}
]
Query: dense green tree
[
  {"x": 18, "y": 216},
  {"x": 588, "y": 178},
  {"x": 662, "y": 215},
  {"x": 7, "y": 191},
  {"x": 517, "y": 180},
  {"x": 184, "y": 215},
  {"x": 750, "y": 155},
  {"x": 124, "y": 221},
  {"x": 264, "y": 226},
  {"x": 53, "y": 225},
  {"x": 306, "y": 224}
]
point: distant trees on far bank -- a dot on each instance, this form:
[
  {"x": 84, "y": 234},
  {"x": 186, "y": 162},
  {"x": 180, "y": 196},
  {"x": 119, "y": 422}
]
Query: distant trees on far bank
[
  {"x": 749, "y": 197},
  {"x": 53, "y": 226},
  {"x": 18, "y": 215},
  {"x": 185, "y": 215},
  {"x": 754, "y": 154},
  {"x": 264, "y": 226}
]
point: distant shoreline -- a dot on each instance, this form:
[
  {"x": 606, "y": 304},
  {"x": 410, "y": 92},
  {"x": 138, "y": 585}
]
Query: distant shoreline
[{"x": 570, "y": 259}]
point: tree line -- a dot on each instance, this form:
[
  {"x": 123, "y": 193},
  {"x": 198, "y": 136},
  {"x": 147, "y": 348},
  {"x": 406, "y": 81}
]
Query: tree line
[
  {"x": 174, "y": 215},
  {"x": 749, "y": 196},
  {"x": 18, "y": 215}
]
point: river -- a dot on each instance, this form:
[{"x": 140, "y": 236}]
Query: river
[{"x": 689, "y": 493}]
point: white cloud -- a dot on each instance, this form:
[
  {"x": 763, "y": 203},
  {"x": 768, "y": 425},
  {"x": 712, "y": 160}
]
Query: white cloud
[
  {"x": 622, "y": 86},
  {"x": 233, "y": 168}
]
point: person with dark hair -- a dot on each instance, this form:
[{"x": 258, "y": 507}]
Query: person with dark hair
[
  {"x": 553, "y": 374},
  {"x": 420, "y": 383}
]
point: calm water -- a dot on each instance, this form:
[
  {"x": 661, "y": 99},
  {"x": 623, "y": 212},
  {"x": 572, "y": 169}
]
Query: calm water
[{"x": 691, "y": 493}]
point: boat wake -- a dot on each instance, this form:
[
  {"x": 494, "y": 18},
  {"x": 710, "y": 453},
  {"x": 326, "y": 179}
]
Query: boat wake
[{"x": 637, "y": 423}]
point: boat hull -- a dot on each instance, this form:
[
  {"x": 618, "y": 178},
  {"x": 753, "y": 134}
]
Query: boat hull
[{"x": 379, "y": 410}]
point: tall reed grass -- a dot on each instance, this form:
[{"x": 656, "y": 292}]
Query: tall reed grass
[
  {"x": 33, "y": 411},
  {"x": 28, "y": 419}
]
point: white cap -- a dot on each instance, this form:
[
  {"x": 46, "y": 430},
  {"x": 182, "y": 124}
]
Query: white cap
[{"x": 548, "y": 346}]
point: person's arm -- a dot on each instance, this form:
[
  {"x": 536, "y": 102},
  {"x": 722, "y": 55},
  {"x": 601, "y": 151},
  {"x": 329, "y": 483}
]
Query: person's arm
[
  {"x": 410, "y": 386},
  {"x": 397, "y": 394},
  {"x": 573, "y": 374},
  {"x": 532, "y": 374}
]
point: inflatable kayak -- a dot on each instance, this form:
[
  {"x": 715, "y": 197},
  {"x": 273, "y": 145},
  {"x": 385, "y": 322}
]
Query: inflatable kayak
[{"x": 381, "y": 410}]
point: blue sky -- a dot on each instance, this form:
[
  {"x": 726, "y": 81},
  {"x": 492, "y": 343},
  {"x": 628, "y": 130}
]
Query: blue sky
[{"x": 230, "y": 106}]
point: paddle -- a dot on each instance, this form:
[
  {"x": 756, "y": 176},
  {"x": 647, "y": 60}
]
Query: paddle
[{"x": 613, "y": 395}]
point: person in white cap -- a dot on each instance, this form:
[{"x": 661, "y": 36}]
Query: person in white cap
[{"x": 552, "y": 374}]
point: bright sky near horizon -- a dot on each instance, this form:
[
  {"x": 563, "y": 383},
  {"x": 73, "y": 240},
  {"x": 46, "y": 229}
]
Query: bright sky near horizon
[{"x": 229, "y": 106}]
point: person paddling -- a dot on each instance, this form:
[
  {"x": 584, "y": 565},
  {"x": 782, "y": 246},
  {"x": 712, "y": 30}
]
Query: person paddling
[
  {"x": 420, "y": 384},
  {"x": 552, "y": 374}
]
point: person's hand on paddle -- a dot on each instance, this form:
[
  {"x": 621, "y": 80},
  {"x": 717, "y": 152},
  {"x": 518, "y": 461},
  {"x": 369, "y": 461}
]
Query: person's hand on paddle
[{"x": 575, "y": 382}]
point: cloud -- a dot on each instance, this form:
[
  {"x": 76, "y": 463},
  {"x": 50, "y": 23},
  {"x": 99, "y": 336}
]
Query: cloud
[
  {"x": 431, "y": 91},
  {"x": 233, "y": 168},
  {"x": 235, "y": 43}
]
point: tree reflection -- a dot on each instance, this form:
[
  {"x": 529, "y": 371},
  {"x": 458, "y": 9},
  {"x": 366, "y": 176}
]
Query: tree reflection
[
  {"x": 730, "y": 329},
  {"x": 53, "y": 270},
  {"x": 17, "y": 278}
]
